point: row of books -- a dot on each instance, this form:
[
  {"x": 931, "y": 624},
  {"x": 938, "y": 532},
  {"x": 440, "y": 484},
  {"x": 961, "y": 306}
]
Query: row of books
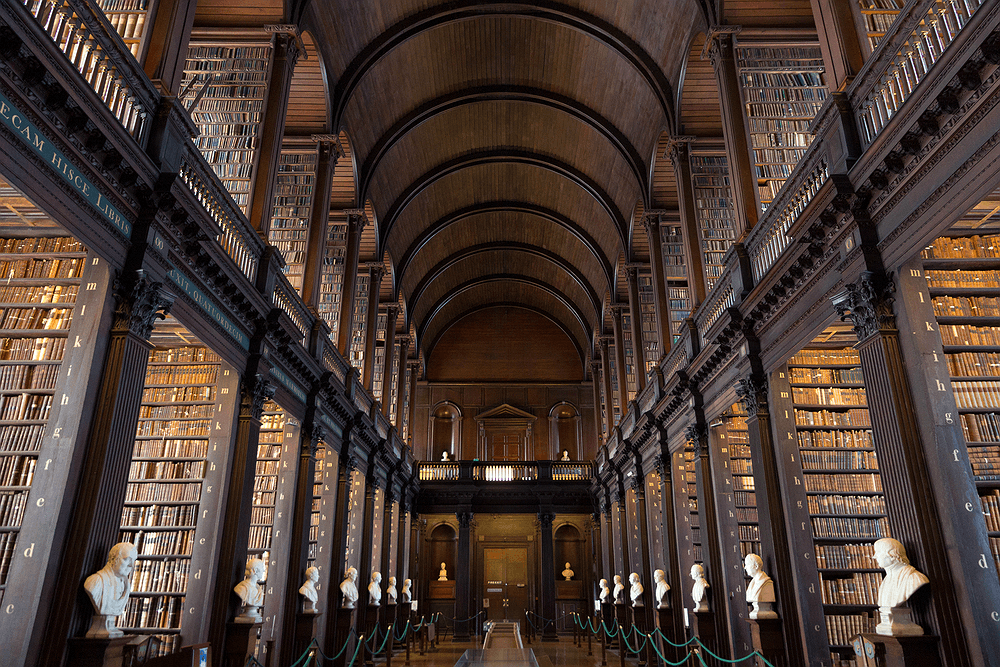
[
  {"x": 985, "y": 462},
  {"x": 130, "y": 25},
  {"x": 850, "y": 527},
  {"x": 12, "y": 507},
  {"x": 991, "y": 510},
  {"x": 268, "y": 467},
  {"x": 845, "y": 556},
  {"x": 263, "y": 498},
  {"x": 17, "y": 470},
  {"x": 36, "y": 318},
  {"x": 963, "y": 247},
  {"x": 25, "y": 407},
  {"x": 964, "y": 334},
  {"x": 28, "y": 376},
  {"x": 841, "y": 504},
  {"x": 750, "y": 533},
  {"x": 852, "y": 417},
  {"x": 8, "y": 541},
  {"x": 749, "y": 547},
  {"x": 788, "y": 82},
  {"x": 41, "y": 244},
  {"x": 737, "y": 450},
  {"x": 790, "y": 139},
  {"x": 32, "y": 349},
  {"x": 191, "y": 394},
  {"x": 982, "y": 427},
  {"x": 741, "y": 467},
  {"x": 746, "y": 514},
  {"x": 167, "y": 448},
  {"x": 859, "y": 483},
  {"x": 191, "y": 470},
  {"x": 973, "y": 364},
  {"x": 745, "y": 499},
  {"x": 143, "y": 492},
  {"x": 816, "y": 460},
  {"x": 966, "y": 306},
  {"x": 161, "y": 576},
  {"x": 183, "y": 355},
  {"x": 825, "y": 375},
  {"x": 174, "y": 428},
  {"x": 21, "y": 437},
  {"x": 828, "y": 395},
  {"x": 825, "y": 358},
  {"x": 160, "y": 515},
  {"x": 163, "y": 543},
  {"x": 787, "y": 126},
  {"x": 840, "y": 628},
  {"x": 262, "y": 516},
  {"x": 260, "y": 537},
  {"x": 193, "y": 374},
  {"x": 42, "y": 268},
  {"x": 976, "y": 394},
  {"x": 743, "y": 483},
  {"x": 153, "y": 612},
  {"x": 38, "y": 293},
  {"x": 839, "y": 439},
  {"x": 861, "y": 588},
  {"x": 166, "y": 412},
  {"x": 963, "y": 279}
]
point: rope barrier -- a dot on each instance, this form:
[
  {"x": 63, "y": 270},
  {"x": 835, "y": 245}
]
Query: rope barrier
[
  {"x": 356, "y": 649},
  {"x": 455, "y": 620}
]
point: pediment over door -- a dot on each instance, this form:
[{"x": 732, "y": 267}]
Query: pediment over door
[{"x": 505, "y": 434}]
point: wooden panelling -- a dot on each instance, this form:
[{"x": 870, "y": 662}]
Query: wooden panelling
[
  {"x": 699, "y": 110},
  {"x": 307, "y": 97},
  {"x": 664, "y": 182}
]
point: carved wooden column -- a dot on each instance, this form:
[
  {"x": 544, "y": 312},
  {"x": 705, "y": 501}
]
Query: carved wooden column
[
  {"x": 548, "y": 575},
  {"x": 595, "y": 370},
  {"x": 298, "y": 537},
  {"x": 910, "y": 496},
  {"x": 609, "y": 539},
  {"x": 651, "y": 221},
  {"x": 616, "y": 321},
  {"x": 376, "y": 270},
  {"x": 284, "y": 54},
  {"x": 597, "y": 549},
  {"x": 719, "y": 46},
  {"x": 621, "y": 500},
  {"x": 635, "y": 315},
  {"x": 771, "y": 518},
  {"x": 391, "y": 314},
  {"x": 839, "y": 41},
  {"x": 463, "y": 575},
  {"x": 404, "y": 350},
  {"x": 676, "y": 579},
  {"x": 365, "y": 568},
  {"x": 609, "y": 397},
  {"x": 355, "y": 224},
  {"x": 388, "y": 498},
  {"x": 231, "y": 545},
  {"x": 643, "y": 567},
  {"x": 336, "y": 633},
  {"x": 96, "y": 516},
  {"x": 414, "y": 366},
  {"x": 167, "y": 40},
  {"x": 680, "y": 156},
  {"x": 329, "y": 149}
]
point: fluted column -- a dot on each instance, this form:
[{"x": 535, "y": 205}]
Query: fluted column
[
  {"x": 548, "y": 574},
  {"x": 609, "y": 397},
  {"x": 414, "y": 366},
  {"x": 742, "y": 174},
  {"x": 652, "y": 221},
  {"x": 376, "y": 270},
  {"x": 284, "y": 55},
  {"x": 839, "y": 40},
  {"x": 676, "y": 579},
  {"x": 404, "y": 350},
  {"x": 595, "y": 369},
  {"x": 680, "y": 157},
  {"x": 355, "y": 224},
  {"x": 391, "y": 314},
  {"x": 635, "y": 315},
  {"x": 616, "y": 321},
  {"x": 463, "y": 574},
  {"x": 328, "y": 150},
  {"x": 347, "y": 464},
  {"x": 167, "y": 40}
]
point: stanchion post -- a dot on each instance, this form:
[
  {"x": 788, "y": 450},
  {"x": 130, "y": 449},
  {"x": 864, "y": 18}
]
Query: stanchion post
[
  {"x": 604, "y": 647},
  {"x": 621, "y": 645},
  {"x": 590, "y": 650},
  {"x": 388, "y": 647}
]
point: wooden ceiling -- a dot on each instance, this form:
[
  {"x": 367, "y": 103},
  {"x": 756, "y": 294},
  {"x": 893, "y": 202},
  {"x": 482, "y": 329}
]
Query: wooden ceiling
[{"x": 504, "y": 152}]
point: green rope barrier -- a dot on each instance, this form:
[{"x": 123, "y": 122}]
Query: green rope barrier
[
  {"x": 664, "y": 638},
  {"x": 628, "y": 646},
  {"x": 664, "y": 659},
  {"x": 374, "y": 637},
  {"x": 252, "y": 661},
  {"x": 384, "y": 641},
  {"x": 405, "y": 630},
  {"x": 356, "y": 649},
  {"x": 753, "y": 655},
  {"x": 608, "y": 632}
]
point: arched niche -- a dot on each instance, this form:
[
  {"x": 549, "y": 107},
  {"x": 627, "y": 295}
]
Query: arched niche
[
  {"x": 442, "y": 547},
  {"x": 564, "y": 431},
  {"x": 446, "y": 431},
  {"x": 569, "y": 548}
]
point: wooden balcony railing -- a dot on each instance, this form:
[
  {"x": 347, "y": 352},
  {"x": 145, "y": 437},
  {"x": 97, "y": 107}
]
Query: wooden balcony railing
[{"x": 505, "y": 471}]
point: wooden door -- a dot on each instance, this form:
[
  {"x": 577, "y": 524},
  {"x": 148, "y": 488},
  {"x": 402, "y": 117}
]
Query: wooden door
[
  {"x": 505, "y": 582},
  {"x": 506, "y": 446}
]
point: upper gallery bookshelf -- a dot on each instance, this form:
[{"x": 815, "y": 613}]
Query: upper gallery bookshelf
[
  {"x": 877, "y": 16},
  {"x": 713, "y": 198},
  {"x": 128, "y": 18},
  {"x": 293, "y": 195}
]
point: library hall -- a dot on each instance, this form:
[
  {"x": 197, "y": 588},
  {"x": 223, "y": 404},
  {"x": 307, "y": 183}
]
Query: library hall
[{"x": 543, "y": 333}]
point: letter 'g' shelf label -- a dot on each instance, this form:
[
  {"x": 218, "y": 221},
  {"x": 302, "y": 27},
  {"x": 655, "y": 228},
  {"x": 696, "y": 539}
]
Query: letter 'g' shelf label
[{"x": 16, "y": 121}]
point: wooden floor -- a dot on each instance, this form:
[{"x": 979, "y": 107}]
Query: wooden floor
[{"x": 547, "y": 654}]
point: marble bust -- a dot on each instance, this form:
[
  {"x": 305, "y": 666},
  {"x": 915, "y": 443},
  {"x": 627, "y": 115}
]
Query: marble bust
[
  {"x": 901, "y": 581},
  {"x": 108, "y": 590},
  {"x": 375, "y": 590},
  {"x": 605, "y": 591},
  {"x": 308, "y": 590},
  {"x": 390, "y": 591},
  {"x": 444, "y": 456},
  {"x": 565, "y": 455},
  {"x": 443, "y": 573},
  {"x": 567, "y": 573},
  {"x": 635, "y": 592},
  {"x": 251, "y": 592},
  {"x": 619, "y": 587},
  {"x": 662, "y": 588},
  {"x": 699, "y": 590},
  {"x": 760, "y": 589},
  {"x": 349, "y": 589},
  {"x": 406, "y": 594}
]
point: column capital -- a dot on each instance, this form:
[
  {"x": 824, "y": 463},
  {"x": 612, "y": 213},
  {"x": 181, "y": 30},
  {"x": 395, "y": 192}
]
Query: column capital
[
  {"x": 632, "y": 269},
  {"x": 678, "y": 147},
  {"x": 719, "y": 42},
  {"x": 752, "y": 391},
  {"x": 465, "y": 519},
  {"x": 256, "y": 391},
  {"x": 662, "y": 465},
  {"x": 696, "y": 436},
  {"x": 545, "y": 520},
  {"x": 356, "y": 218},
  {"x": 618, "y": 308},
  {"x": 140, "y": 302},
  {"x": 868, "y": 304},
  {"x": 287, "y": 42},
  {"x": 332, "y": 140},
  {"x": 392, "y": 310}
]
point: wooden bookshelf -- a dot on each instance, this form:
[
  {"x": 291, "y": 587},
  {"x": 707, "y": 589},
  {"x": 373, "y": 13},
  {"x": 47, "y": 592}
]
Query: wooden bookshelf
[
  {"x": 379, "y": 362},
  {"x": 877, "y": 16},
  {"x": 629, "y": 345},
  {"x": 783, "y": 89},
  {"x": 295, "y": 184},
  {"x": 265, "y": 488},
  {"x": 672, "y": 242},
  {"x": 332, "y": 280},
  {"x": 691, "y": 491},
  {"x": 713, "y": 199},
  {"x": 224, "y": 88},
  {"x": 162, "y": 507},
  {"x": 964, "y": 283},
  {"x": 679, "y": 304},
  {"x": 647, "y": 313},
  {"x": 357, "y": 324},
  {"x": 41, "y": 281},
  {"x": 128, "y": 18}
]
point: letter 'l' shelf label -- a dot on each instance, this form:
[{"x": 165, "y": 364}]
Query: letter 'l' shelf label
[{"x": 16, "y": 121}]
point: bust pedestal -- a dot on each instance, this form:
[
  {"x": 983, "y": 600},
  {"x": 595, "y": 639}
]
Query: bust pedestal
[
  {"x": 665, "y": 622},
  {"x": 345, "y": 621},
  {"x": 881, "y": 651},
  {"x": 703, "y": 625},
  {"x": 765, "y": 634},
  {"x": 639, "y": 621},
  {"x": 240, "y": 640},
  {"x": 103, "y": 651},
  {"x": 305, "y": 630}
]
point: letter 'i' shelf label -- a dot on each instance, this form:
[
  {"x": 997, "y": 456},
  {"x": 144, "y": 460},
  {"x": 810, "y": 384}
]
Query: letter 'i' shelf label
[{"x": 14, "y": 119}]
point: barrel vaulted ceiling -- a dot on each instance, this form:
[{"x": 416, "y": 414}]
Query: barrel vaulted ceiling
[{"x": 504, "y": 149}]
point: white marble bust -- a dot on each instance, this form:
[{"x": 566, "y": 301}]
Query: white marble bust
[
  {"x": 565, "y": 455},
  {"x": 567, "y": 573},
  {"x": 760, "y": 589},
  {"x": 308, "y": 590},
  {"x": 901, "y": 581},
  {"x": 698, "y": 591},
  {"x": 390, "y": 591},
  {"x": 662, "y": 588},
  {"x": 349, "y": 589},
  {"x": 444, "y": 456},
  {"x": 375, "y": 590},
  {"x": 443, "y": 573},
  {"x": 108, "y": 590},
  {"x": 635, "y": 592},
  {"x": 251, "y": 592},
  {"x": 406, "y": 594},
  {"x": 619, "y": 587},
  {"x": 605, "y": 591}
]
